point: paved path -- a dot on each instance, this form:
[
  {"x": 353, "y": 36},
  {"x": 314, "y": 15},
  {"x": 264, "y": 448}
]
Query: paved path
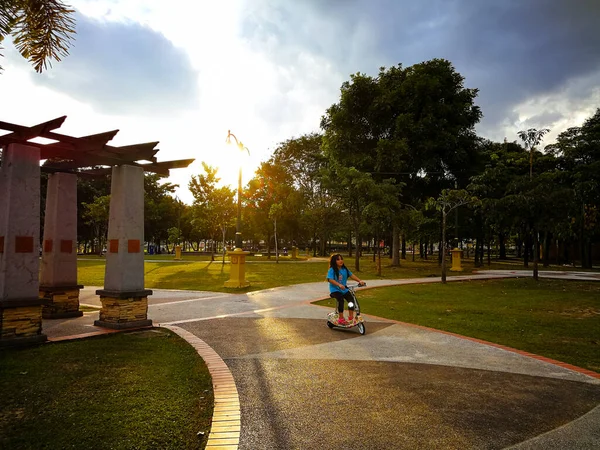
[{"x": 300, "y": 385}]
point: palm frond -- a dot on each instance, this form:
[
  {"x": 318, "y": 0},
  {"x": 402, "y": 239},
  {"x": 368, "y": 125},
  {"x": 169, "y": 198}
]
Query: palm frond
[{"x": 43, "y": 31}]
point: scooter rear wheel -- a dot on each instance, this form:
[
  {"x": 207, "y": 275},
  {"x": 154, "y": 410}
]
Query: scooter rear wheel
[
  {"x": 361, "y": 328},
  {"x": 329, "y": 324}
]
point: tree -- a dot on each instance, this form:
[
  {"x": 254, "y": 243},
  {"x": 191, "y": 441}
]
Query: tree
[
  {"x": 272, "y": 184},
  {"x": 414, "y": 125},
  {"x": 445, "y": 203},
  {"x": 222, "y": 212},
  {"x": 274, "y": 214},
  {"x": 310, "y": 208},
  {"x": 161, "y": 211},
  {"x": 505, "y": 169},
  {"x": 97, "y": 214},
  {"x": 578, "y": 150},
  {"x": 41, "y": 30},
  {"x": 88, "y": 190},
  {"x": 213, "y": 207},
  {"x": 532, "y": 138}
]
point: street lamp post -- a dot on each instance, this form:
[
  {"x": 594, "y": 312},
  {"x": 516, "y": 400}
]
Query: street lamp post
[
  {"x": 237, "y": 273},
  {"x": 238, "y": 225}
]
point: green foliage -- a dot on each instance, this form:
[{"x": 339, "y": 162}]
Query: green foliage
[
  {"x": 161, "y": 211},
  {"x": 96, "y": 214},
  {"x": 272, "y": 185},
  {"x": 450, "y": 199},
  {"x": 213, "y": 210}
]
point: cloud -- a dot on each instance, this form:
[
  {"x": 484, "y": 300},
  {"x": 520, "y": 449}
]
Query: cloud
[
  {"x": 124, "y": 68},
  {"x": 512, "y": 51}
]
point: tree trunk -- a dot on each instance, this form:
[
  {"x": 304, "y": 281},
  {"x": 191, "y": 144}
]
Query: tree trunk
[
  {"x": 350, "y": 243},
  {"x": 375, "y": 249},
  {"x": 546, "y": 248},
  {"x": 395, "y": 246},
  {"x": 536, "y": 251},
  {"x": 478, "y": 257},
  {"x": 443, "y": 248},
  {"x": 357, "y": 253},
  {"x": 276, "y": 248},
  {"x": 526, "y": 250},
  {"x": 223, "y": 231},
  {"x": 403, "y": 246},
  {"x": 502, "y": 242}
]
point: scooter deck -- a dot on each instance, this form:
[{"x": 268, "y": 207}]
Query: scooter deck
[{"x": 355, "y": 322}]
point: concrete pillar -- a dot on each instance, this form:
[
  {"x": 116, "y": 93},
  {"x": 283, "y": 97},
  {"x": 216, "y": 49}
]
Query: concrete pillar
[
  {"x": 124, "y": 299},
  {"x": 58, "y": 276},
  {"x": 20, "y": 305}
]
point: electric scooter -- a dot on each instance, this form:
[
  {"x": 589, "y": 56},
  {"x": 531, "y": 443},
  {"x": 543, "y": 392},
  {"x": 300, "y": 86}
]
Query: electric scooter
[{"x": 332, "y": 317}]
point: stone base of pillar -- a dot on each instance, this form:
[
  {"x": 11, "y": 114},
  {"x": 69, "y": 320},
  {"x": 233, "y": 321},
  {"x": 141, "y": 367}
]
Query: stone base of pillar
[
  {"x": 123, "y": 310},
  {"x": 21, "y": 322},
  {"x": 63, "y": 302}
]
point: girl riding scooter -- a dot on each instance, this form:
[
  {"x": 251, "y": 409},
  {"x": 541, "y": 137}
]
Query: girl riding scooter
[{"x": 337, "y": 276}]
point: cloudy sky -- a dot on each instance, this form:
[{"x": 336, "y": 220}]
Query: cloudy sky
[{"x": 183, "y": 72}]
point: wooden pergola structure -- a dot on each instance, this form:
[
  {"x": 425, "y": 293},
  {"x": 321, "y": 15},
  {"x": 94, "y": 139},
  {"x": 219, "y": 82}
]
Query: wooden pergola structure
[
  {"x": 83, "y": 155},
  {"x": 24, "y": 297}
]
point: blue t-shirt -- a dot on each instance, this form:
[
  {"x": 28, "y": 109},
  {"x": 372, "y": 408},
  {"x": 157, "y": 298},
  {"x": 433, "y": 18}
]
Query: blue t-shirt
[{"x": 342, "y": 279}]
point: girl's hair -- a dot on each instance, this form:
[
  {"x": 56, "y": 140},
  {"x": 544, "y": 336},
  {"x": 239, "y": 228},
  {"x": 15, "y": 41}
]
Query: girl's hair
[{"x": 334, "y": 266}]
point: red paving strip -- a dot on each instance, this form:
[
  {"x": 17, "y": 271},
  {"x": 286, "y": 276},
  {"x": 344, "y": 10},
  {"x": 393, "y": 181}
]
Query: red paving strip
[{"x": 226, "y": 420}]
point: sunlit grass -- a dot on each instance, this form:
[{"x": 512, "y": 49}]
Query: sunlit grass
[{"x": 199, "y": 273}]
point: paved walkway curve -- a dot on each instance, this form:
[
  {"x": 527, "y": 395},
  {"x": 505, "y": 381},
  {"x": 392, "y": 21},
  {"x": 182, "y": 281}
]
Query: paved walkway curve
[{"x": 438, "y": 389}]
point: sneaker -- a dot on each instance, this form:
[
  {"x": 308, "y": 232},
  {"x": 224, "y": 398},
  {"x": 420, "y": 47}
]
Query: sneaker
[{"x": 342, "y": 322}]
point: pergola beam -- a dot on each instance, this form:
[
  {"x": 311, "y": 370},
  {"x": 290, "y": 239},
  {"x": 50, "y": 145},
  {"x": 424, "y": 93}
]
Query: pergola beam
[
  {"x": 21, "y": 133},
  {"x": 79, "y": 154}
]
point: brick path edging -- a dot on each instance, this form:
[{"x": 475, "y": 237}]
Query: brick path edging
[{"x": 225, "y": 427}]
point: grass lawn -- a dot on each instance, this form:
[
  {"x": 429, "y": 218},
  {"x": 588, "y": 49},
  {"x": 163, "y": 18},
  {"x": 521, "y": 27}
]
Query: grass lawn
[
  {"x": 199, "y": 273},
  {"x": 146, "y": 390},
  {"x": 559, "y": 319}
]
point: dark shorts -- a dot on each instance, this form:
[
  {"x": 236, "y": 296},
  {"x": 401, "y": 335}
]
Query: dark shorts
[{"x": 340, "y": 300}]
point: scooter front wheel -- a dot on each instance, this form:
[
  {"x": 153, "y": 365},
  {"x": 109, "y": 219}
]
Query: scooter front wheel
[{"x": 361, "y": 328}]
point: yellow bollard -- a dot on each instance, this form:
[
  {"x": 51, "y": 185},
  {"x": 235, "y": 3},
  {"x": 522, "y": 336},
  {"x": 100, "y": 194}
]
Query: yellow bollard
[
  {"x": 178, "y": 252},
  {"x": 456, "y": 255},
  {"x": 237, "y": 269}
]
